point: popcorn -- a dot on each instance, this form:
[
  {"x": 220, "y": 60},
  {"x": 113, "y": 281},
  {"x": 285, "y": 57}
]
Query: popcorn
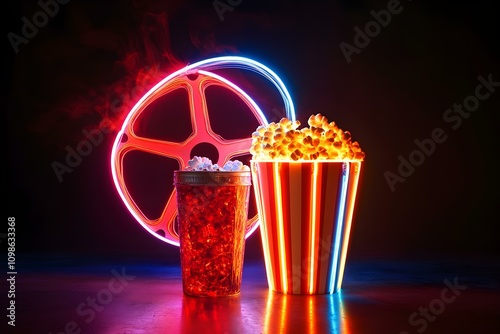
[
  {"x": 199, "y": 163},
  {"x": 205, "y": 164},
  {"x": 235, "y": 165},
  {"x": 322, "y": 140}
]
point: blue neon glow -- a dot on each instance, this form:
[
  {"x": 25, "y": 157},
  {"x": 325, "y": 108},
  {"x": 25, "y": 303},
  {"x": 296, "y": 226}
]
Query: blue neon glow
[
  {"x": 338, "y": 320},
  {"x": 339, "y": 227},
  {"x": 247, "y": 64}
]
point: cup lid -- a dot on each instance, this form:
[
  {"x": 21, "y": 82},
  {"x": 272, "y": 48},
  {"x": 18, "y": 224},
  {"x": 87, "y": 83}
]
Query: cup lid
[{"x": 207, "y": 178}]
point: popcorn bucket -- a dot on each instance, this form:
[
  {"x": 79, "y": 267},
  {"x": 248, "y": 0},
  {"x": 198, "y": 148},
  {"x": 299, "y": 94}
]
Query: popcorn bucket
[
  {"x": 212, "y": 216},
  {"x": 305, "y": 210}
]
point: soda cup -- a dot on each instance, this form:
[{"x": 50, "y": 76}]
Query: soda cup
[{"x": 212, "y": 220}]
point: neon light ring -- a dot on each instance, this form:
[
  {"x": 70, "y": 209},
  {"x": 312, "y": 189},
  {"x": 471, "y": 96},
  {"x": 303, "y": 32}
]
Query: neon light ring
[{"x": 199, "y": 78}]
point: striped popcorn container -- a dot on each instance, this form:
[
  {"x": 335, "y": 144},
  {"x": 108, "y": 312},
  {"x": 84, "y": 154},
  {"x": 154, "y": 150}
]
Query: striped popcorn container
[{"x": 305, "y": 210}]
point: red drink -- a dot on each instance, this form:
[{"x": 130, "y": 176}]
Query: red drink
[{"x": 212, "y": 212}]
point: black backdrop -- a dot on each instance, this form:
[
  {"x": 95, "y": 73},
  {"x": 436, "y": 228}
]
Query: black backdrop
[{"x": 63, "y": 78}]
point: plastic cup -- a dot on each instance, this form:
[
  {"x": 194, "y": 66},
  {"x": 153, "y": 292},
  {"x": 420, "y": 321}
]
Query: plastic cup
[
  {"x": 212, "y": 218},
  {"x": 305, "y": 210}
]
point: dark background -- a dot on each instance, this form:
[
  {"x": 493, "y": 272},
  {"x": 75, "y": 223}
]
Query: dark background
[{"x": 394, "y": 91}]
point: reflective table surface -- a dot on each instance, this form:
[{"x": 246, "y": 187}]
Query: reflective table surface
[{"x": 67, "y": 294}]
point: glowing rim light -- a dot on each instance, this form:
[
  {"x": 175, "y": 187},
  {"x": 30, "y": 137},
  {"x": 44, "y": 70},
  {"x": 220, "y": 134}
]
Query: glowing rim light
[
  {"x": 248, "y": 64},
  {"x": 281, "y": 240},
  {"x": 347, "y": 227},
  {"x": 199, "y": 67},
  {"x": 339, "y": 318},
  {"x": 312, "y": 254},
  {"x": 265, "y": 246},
  {"x": 338, "y": 228}
]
